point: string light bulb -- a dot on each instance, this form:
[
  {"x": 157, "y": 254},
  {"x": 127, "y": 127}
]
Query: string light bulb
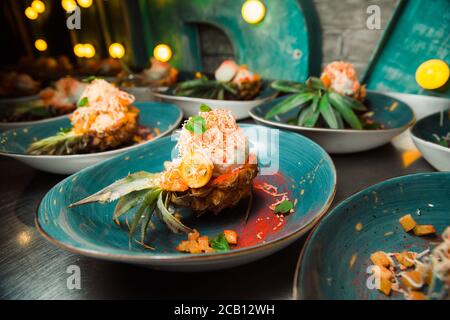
[
  {"x": 84, "y": 50},
  {"x": 40, "y": 45},
  {"x": 116, "y": 50},
  {"x": 84, "y": 3},
  {"x": 68, "y": 5},
  {"x": 253, "y": 11},
  {"x": 162, "y": 52},
  {"x": 31, "y": 13},
  {"x": 38, "y": 6}
]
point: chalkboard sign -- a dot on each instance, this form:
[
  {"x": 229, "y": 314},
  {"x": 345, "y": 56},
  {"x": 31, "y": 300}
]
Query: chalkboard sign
[{"x": 418, "y": 31}]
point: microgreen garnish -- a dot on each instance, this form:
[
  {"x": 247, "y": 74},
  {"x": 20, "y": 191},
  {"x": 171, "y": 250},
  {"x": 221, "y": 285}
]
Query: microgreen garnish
[
  {"x": 205, "y": 108},
  {"x": 89, "y": 79},
  {"x": 64, "y": 130},
  {"x": 284, "y": 207},
  {"x": 196, "y": 124},
  {"x": 83, "y": 102},
  {"x": 220, "y": 243}
]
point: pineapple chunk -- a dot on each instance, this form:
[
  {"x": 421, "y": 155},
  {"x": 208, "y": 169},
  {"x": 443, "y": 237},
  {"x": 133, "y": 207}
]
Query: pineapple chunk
[
  {"x": 416, "y": 295},
  {"x": 231, "y": 236},
  {"x": 412, "y": 279},
  {"x": 405, "y": 258},
  {"x": 385, "y": 286},
  {"x": 424, "y": 230},
  {"x": 195, "y": 244},
  {"x": 380, "y": 258},
  {"x": 407, "y": 222}
]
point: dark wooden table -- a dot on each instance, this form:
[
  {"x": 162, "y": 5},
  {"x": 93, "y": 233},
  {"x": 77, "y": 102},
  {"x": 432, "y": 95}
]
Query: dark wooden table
[{"x": 32, "y": 268}]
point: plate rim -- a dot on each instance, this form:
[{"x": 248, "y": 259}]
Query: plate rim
[
  {"x": 291, "y": 127},
  {"x": 427, "y": 142},
  {"x": 96, "y": 154},
  {"x": 296, "y": 295},
  {"x": 161, "y": 259}
]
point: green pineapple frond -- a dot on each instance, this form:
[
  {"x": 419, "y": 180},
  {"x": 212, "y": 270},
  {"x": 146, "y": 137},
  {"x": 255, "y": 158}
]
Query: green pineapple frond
[
  {"x": 63, "y": 143},
  {"x": 316, "y": 103},
  {"x": 206, "y": 89}
]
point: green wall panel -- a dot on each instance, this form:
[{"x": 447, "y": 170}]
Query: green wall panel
[
  {"x": 285, "y": 45},
  {"x": 418, "y": 31}
]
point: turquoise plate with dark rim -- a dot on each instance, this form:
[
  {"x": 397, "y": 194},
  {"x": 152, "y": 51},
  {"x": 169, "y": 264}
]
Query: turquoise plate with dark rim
[
  {"x": 161, "y": 118},
  {"x": 293, "y": 164},
  {"x": 335, "y": 259},
  {"x": 395, "y": 115}
]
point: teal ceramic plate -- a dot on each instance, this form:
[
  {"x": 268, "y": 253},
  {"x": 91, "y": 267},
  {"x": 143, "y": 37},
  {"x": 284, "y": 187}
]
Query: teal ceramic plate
[
  {"x": 309, "y": 177},
  {"x": 425, "y": 134},
  {"x": 14, "y": 143},
  {"x": 335, "y": 258},
  {"x": 240, "y": 109},
  {"x": 395, "y": 115}
]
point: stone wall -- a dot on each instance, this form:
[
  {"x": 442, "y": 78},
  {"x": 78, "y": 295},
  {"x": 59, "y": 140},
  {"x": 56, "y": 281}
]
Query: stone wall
[{"x": 345, "y": 35}]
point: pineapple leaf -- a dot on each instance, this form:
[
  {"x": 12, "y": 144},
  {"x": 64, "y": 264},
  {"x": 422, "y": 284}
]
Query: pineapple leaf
[
  {"x": 134, "y": 182},
  {"x": 229, "y": 88},
  {"x": 289, "y": 103},
  {"x": 345, "y": 111},
  {"x": 288, "y": 87},
  {"x": 311, "y": 120},
  {"x": 61, "y": 143},
  {"x": 304, "y": 114},
  {"x": 350, "y": 102},
  {"x": 146, "y": 220},
  {"x": 315, "y": 83},
  {"x": 170, "y": 221},
  {"x": 146, "y": 209},
  {"x": 327, "y": 113},
  {"x": 128, "y": 202}
]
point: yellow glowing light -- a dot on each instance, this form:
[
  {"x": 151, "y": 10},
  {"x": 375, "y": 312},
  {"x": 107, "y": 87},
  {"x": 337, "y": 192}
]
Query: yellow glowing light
[
  {"x": 38, "y": 6},
  {"x": 432, "y": 74},
  {"x": 253, "y": 11},
  {"x": 85, "y": 50},
  {"x": 31, "y": 13},
  {"x": 89, "y": 50},
  {"x": 116, "y": 50},
  {"x": 162, "y": 52},
  {"x": 40, "y": 44},
  {"x": 84, "y": 3},
  {"x": 24, "y": 238},
  {"x": 69, "y": 5}
]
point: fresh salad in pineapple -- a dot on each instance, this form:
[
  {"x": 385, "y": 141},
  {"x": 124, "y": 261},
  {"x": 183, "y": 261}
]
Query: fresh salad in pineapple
[
  {"x": 59, "y": 99},
  {"x": 160, "y": 74},
  {"x": 213, "y": 170},
  {"x": 231, "y": 82},
  {"x": 104, "y": 119},
  {"x": 334, "y": 101}
]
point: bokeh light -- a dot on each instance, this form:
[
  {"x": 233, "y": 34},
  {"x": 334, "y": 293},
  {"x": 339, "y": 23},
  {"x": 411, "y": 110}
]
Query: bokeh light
[
  {"x": 85, "y": 50},
  {"x": 84, "y": 3},
  {"x": 41, "y": 44},
  {"x": 69, "y": 5},
  {"x": 116, "y": 50},
  {"x": 38, "y": 6},
  {"x": 253, "y": 11},
  {"x": 162, "y": 52},
  {"x": 31, "y": 13}
]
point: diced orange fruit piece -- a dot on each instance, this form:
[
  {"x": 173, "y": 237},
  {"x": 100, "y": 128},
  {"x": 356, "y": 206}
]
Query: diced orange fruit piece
[
  {"x": 412, "y": 279},
  {"x": 385, "y": 286},
  {"x": 195, "y": 244},
  {"x": 408, "y": 223},
  {"x": 405, "y": 258},
  {"x": 380, "y": 258},
  {"x": 424, "y": 230},
  {"x": 231, "y": 236},
  {"x": 417, "y": 295}
]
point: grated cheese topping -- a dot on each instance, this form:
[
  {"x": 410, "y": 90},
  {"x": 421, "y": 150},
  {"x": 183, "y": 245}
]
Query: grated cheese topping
[
  {"x": 106, "y": 106},
  {"x": 223, "y": 142}
]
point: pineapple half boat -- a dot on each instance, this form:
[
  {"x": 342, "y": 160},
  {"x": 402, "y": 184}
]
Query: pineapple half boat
[
  {"x": 213, "y": 171},
  {"x": 104, "y": 119},
  {"x": 232, "y": 82}
]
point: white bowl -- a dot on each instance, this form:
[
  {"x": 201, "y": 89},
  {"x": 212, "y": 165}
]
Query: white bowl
[
  {"x": 438, "y": 156},
  {"x": 346, "y": 140},
  {"x": 239, "y": 109}
]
